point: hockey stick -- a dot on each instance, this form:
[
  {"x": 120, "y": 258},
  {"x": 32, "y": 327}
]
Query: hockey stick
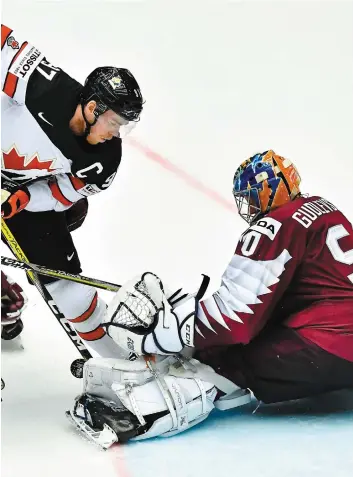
[
  {"x": 42, "y": 270},
  {"x": 76, "y": 366}
]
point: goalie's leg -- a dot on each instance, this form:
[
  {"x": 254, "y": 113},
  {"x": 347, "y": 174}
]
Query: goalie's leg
[
  {"x": 281, "y": 365},
  {"x": 124, "y": 400}
]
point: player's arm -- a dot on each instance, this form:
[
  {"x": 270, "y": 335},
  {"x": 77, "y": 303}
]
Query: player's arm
[
  {"x": 254, "y": 282},
  {"x": 19, "y": 59},
  {"x": 56, "y": 193},
  {"x": 146, "y": 319}
]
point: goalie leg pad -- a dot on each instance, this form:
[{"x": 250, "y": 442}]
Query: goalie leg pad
[{"x": 148, "y": 399}]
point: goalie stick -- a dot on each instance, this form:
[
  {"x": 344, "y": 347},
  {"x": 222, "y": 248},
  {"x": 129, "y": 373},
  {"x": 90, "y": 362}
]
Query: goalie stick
[
  {"x": 77, "y": 365},
  {"x": 42, "y": 270}
]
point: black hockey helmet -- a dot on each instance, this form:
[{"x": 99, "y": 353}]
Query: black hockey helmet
[{"x": 115, "y": 89}]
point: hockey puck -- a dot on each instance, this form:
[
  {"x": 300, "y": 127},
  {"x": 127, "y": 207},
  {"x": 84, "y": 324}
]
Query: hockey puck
[{"x": 76, "y": 368}]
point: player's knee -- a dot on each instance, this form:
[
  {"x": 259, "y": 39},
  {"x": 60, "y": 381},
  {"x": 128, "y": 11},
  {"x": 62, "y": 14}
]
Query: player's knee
[{"x": 79, "y": 303}]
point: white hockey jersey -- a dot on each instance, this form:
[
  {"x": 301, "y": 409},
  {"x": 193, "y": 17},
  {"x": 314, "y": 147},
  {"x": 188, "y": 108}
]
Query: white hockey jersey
[{"x": 36, "y": 141}]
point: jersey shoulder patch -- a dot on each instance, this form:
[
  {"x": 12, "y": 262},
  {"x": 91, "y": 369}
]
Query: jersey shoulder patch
[
  {"x": 266, "y": 226},
  {"x": 26, "y": 61}
]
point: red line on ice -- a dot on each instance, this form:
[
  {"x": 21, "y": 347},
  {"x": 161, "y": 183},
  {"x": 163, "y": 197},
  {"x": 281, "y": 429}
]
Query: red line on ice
[
  {"x": 185, "y": 176},
  {"x": 119, "y": 459}
]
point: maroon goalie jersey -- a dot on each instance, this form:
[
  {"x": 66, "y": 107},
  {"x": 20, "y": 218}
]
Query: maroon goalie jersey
[{"x": 293, "y": 267}]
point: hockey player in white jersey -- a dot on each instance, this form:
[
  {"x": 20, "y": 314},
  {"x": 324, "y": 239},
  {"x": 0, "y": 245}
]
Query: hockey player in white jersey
[{"x": 60, "y": 144}]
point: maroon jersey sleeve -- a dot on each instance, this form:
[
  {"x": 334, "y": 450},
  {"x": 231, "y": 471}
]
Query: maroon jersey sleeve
[{"x": 265, "y": 261}]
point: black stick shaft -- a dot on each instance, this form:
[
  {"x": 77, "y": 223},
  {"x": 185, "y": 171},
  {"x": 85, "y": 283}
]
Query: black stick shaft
[
  {"x": 19, "y": 253},
  {"x": 42, "y": 270}
]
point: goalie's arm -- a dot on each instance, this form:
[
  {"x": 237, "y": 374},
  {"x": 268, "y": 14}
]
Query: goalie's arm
[{"x": 253, "y": 284}]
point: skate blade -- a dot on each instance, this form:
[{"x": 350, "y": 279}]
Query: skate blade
[{"x": 102, "y": 439}]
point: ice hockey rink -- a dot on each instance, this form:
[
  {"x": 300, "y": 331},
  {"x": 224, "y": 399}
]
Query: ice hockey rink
[{"x": 222, "y": 80}]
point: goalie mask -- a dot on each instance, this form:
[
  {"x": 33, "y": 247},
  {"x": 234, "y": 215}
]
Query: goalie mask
[{"x": 264, "y": 182}]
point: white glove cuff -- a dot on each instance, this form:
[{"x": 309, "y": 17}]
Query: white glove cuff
[{"x": 186, "y": 318}]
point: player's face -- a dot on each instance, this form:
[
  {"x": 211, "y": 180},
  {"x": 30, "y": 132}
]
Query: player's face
[
  {"x": 246, "y": 204},
  {"x": 107, "y": 126},
  {"x": 253, "y": 209}
]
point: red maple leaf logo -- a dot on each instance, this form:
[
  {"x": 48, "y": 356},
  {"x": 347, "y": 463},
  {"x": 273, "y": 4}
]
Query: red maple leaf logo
[
  {"x": 13, "y": 43},
  {"x": 12, "y": 159}
]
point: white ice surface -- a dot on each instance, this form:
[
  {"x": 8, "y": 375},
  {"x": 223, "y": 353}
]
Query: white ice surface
[
  {"x": 302, "y": 438},
  {"x": 222, "y": 80}
]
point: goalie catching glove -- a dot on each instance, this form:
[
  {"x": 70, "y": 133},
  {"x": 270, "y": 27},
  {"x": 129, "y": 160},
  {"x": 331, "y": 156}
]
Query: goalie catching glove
[
  {"x": 143, "y": 320},
  {"x": 139, "y": 399}
]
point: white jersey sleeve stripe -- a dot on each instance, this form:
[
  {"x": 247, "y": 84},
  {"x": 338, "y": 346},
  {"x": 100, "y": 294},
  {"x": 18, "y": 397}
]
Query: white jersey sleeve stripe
[
  {"x": 230, "y": 300},
  {"x": 41, "y": 198},
  {"x": 48, "y": 194},
  {"x": 67, "y": 188}
]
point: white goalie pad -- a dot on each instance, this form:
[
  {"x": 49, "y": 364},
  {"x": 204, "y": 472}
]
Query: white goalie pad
[
  {"x": 181, "y": 391},
  {"x": 146, "y": 388}
]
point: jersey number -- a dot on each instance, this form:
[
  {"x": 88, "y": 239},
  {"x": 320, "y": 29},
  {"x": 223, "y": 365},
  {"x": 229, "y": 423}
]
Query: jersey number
[
  {"x": 334, "y": 234},
  {"x": 52, "y": 70},
  {"x": 251, "y": 241}
]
